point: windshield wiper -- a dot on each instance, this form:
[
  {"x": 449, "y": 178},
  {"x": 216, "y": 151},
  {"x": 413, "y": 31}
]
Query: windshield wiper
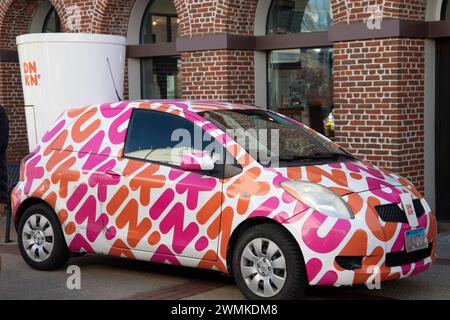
[
  {"x": 338, "y": 154},
  {"x": 309, "y": 157},
  {"x": 316, "y": 156}
]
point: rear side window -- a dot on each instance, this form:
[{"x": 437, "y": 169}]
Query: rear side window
[{"x": 164, "y": 138}]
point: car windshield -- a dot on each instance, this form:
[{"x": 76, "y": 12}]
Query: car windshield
[{"x": 275, "y": 140}]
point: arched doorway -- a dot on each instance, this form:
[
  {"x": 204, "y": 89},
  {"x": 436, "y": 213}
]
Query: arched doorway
[
  {"x": 45, "y": 19},
  {"x": 442, "y": 122}
]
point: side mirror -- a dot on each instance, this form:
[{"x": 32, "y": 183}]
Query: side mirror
[{"x": 197, "y": 162}]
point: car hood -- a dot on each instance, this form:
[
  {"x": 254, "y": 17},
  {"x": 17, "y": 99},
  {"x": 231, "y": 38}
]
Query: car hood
[{"x": 345, "y": 177}]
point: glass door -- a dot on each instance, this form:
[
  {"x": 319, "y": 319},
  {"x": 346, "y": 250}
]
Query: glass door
[{"x": 443, "y": 130}]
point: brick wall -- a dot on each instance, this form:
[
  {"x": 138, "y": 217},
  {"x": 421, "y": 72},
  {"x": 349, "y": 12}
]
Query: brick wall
[
  {"x": 11, "y": 98},
  {"x": 219, "y": 75},
  {"x": 378, "y": 84},
  {"x": 356, "y": 10},
  {"x": 200, "y": 17},
  {"x": 112, "y": 17},
  {"x": 379, "y": 92},
  {"x": 15, "y": 18},
  {"x": 91, "y": 13},
  {"x": 102, "y": 16}
]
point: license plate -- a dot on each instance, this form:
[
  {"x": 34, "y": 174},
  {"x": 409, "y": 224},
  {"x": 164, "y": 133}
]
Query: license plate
[{"x": 416, "y": 240}]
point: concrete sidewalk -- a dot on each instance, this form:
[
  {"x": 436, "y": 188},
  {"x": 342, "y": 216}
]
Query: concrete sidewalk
[{"x": 115, "y": 278}]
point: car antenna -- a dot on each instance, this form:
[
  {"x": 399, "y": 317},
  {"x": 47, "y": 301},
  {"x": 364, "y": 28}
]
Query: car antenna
[{"x": 112, "y": 78}]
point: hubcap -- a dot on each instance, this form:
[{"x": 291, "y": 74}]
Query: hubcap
[
  {"x": 38, "y": 238},
  {"x": 263, "y": 267}
]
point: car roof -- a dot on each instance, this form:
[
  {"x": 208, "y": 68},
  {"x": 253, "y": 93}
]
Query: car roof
[{"x": 172, "y": 106}]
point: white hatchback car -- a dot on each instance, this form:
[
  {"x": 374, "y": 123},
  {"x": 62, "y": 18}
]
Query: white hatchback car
[{"x": 110, "y": 179}]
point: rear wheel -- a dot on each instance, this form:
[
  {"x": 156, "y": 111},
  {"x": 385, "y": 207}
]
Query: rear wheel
[
  {"x": 41, "y": 240},
  {"x": 268, "y": 264}
]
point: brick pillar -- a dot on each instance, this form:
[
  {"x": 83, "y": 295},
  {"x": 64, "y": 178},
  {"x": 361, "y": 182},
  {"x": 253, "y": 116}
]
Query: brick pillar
[
  {"x": 89, "y": 13},
  {"x": 11, "y": 96},
  {"x": 379, "y": 93},
  {"x": 226, "y": 75}
]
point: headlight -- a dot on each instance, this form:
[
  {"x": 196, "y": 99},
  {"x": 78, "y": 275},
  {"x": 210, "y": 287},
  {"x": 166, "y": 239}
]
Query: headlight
[{"x": 319, "y": 198}]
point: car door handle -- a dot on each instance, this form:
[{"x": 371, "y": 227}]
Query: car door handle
[{"x": 113, "y": 173}]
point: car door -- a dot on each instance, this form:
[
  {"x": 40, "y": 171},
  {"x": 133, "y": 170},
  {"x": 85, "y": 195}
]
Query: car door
[{"x": 157, "y": 206}]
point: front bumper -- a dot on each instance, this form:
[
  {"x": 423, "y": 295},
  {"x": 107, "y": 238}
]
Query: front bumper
[
  {"x": 378, "y": 245},
  {"x": 376, "y": 268}
]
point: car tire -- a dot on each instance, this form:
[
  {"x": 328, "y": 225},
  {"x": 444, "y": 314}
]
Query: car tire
[
  {"x": 41, "y": 240},
  {"x": 260, "y": 275}
]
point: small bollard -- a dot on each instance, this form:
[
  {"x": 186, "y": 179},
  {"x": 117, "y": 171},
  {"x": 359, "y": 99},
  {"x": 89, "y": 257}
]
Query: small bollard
[{"x": 8, "y": 225}]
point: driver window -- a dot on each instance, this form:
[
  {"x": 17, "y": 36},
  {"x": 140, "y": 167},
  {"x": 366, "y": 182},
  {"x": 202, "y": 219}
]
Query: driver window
[{"x": 164, "y": 138}]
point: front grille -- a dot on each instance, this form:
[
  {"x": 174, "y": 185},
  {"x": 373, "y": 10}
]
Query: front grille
[
  {"x": 395, "y": 259},
  {"x": 393, "y": 213}
]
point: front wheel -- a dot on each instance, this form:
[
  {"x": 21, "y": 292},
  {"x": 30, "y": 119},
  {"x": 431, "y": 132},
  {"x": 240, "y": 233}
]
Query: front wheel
[
  {"x": 41, "y": 240},
  {"x": 268, "y": 264}
]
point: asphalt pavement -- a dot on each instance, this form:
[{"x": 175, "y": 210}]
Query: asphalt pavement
[{"x": 115, "y": 278}]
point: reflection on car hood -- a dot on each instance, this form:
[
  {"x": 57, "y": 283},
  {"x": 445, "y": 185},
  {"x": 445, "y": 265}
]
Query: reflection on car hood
[{"x": 345, "y": 177}]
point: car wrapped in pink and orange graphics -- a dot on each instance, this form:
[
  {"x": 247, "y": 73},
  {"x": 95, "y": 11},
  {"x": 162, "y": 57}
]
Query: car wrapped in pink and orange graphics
[{"x": 221, "y": 186}]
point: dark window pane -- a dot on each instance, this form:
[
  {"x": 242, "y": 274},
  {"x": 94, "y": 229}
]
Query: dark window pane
[
  {"x": 52, "y": 22},
  {"x": 160, "y": 22},
  {"x": 161, "y": 78},
  {"x": 175, "y": 21},
  {"x": 446, "y": 10},
  {"x": 162, "y": 137},
  {"x": 300, "y": 86},
  {"x": 293, "y": 16}
]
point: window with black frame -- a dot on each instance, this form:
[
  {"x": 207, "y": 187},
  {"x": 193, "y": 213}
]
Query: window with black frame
[
  {"x": 300, "y": 80},
  {"x": 293, "y": 16},
  {"x": 160, "y": 76},
  {"x": 52, "y": 23},
  {"x": 154, "y": 136},
  {"x": 164, "y": 138}
]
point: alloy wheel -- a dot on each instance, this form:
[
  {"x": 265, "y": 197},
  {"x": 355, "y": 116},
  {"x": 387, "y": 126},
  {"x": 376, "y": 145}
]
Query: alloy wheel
[
  {"x": 263, "y": 267},
  {"x": 38, "y": 238}
]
